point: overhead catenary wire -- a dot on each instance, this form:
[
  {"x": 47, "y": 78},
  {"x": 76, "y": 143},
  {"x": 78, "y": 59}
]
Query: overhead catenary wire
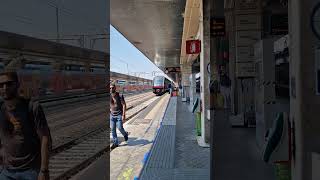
[
  {"x": 25, "y": 19},
  {"x": 69, "y": 12}
]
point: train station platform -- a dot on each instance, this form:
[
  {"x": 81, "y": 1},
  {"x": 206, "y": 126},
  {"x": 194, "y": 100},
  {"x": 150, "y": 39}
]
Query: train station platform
[
  {"x": 163, "y": 146},
  {"x": 126, "y": 161},
  {"x": 175, "y": 154}
]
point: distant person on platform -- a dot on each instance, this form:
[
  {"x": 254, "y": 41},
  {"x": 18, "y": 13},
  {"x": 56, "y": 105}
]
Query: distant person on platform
[
  {"x": 24, "y": 134},
  {"x": 170, "y": 88},
  {"x": 180, "y": 90},
  {"x": 225, "y": 87},
  {"x": 117, "y": 115}
]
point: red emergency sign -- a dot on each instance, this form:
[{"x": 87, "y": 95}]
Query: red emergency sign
[{"x": 193, "y": 46}]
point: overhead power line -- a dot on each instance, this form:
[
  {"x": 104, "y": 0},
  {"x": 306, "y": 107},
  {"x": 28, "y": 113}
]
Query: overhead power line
[{"x": 70, "y": 13}]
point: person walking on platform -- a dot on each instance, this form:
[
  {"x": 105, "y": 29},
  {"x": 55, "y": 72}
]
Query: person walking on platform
[
  {"x": 25, "y": 139},
  {"x": 180, "y": 89},
  {"x": 170, "y": 88},
  {"x": 117, "y": 115},
  {"x": 225, "y": 87}
]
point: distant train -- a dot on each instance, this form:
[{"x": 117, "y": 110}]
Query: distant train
[
  {"x": 40, "y": 81},
  {"x": 160, "y": 85},
  {"x": 132, "y": 86},
  {"x": 41, "y": 84}
]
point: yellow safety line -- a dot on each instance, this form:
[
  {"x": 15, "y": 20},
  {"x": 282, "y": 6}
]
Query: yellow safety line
[{"x": 127, "y": 174}]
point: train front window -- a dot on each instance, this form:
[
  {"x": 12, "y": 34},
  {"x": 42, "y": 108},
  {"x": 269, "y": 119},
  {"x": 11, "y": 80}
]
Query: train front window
[{"x": 158, "y": 82}]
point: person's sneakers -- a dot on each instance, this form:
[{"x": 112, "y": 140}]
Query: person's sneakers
[
  {"x": 126, "y": 137},
  {"x": 114, "y": 146}
]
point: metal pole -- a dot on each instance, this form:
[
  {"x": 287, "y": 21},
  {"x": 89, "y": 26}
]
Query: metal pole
[
  {"x": 127, "y": 68},
  {"x": 92, "y": 43},
  {"x": 82, "y": 44}
]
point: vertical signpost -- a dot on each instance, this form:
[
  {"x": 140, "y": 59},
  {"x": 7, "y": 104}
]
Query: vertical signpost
[
  {"x": 315, "y": 26},
  {"x": 317, "y": 60},
  {"x": 217, "y": 30}
]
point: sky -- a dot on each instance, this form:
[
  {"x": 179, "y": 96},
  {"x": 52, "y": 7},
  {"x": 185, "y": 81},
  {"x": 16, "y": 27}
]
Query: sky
[
  {"x": 37, "y": 18},
  {"x": 123, "y": 54},
  {"x": 75, "y": 18}
]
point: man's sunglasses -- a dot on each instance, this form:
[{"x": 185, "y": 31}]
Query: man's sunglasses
[{"x": 8, "y": 83}]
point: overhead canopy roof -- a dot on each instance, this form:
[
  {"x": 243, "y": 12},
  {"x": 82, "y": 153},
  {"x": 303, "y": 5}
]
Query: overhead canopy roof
[{"x": 155, "y": 27}]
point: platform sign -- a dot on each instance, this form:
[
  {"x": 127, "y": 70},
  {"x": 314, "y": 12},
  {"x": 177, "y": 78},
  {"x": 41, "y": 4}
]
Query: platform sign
[
  {"x": 245, "y": 53},
  {"x": 279, "y": 24},
  {"x": 247, "y": 38},
  {"x": 193, "y": 46},
  {"x": 248, "y": 22},
  {"x": 218, "y": 27},
  {"x": 247, "y": 5},
  {"x": 246, "y": 69}
]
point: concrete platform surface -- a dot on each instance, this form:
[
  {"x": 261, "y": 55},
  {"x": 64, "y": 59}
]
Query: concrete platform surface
[{"x": 176, "y": 154}]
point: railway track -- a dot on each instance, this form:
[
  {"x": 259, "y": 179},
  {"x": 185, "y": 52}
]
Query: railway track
[
  {"x": 68, "y": 162},
  {"x": 84, "y": 136},
  {"x": 69, "y": 124},
  {"x": 88, "y": 102}
]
